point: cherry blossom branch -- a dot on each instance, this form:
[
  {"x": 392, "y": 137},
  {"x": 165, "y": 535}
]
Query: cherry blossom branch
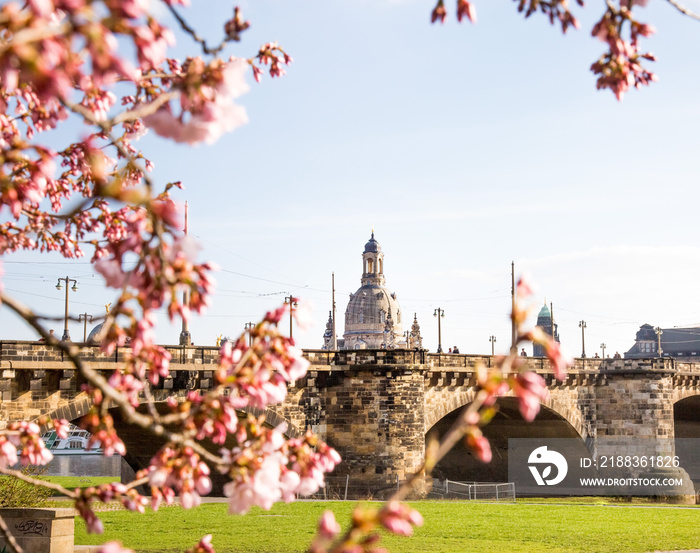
[
  {"x": 33, "y": 35},
  {"x": 190, "y": 31},
  {"x": 145, "y": 109},
  {"x": 684, "y": 10},
  {"x": 38, "y": 482},
  {"x": 107, "y": 127},
  {"x": 130, "y": 414}
]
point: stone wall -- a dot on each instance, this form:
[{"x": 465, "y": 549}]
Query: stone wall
[{"x": 40, "y": 530}]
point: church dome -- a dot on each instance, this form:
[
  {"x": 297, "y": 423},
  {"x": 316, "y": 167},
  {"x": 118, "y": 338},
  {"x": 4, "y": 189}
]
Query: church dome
[
  {"x": 370, "y": 307},
  {"x": 544, "y": 313},
  {"x": 373, "y": 314},
  {"x": 372, "y": 246},
  {"x": 95, "y": 335}
]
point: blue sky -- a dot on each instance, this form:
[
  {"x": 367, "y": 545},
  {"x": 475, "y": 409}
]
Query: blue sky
[{"x": 465, "y": 147}]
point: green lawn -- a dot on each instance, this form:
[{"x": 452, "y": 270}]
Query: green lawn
[
  {"x": 72, "y": 482},
  {"x": 449, "y": 526}
]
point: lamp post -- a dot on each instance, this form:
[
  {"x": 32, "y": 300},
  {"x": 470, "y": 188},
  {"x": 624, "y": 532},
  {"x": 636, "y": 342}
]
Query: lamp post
[
  {"x": 249, "y": 327},
  {"x": 292, "y": 301},
  {"x": 603, "y": 346},
  {"x": 85, "y": 318},
  {"x": 659, "y": 332},
  {"x": 439, "y": 313},
  {"x": 407, "y": 334},
  {"x": 492, "y": 339},
  {"x": 66, "y": 336},
  {"x": 582, "y": 326}
]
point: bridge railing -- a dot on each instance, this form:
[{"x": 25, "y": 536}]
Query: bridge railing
[{"x": 21, "y": 350}]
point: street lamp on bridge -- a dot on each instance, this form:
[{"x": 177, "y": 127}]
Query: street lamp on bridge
[
  {"x": 66, "y": 336},
  {"x": 440, "y": 314},
  {"x": 85, "y": 319},
  {"x": 492, "y": 339},
  {"x": 582, "y": 326}
]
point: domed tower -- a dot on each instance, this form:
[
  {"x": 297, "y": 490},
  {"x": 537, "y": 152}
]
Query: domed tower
[
  {"x": 373, "y": 315},
  {"x": 548, "y": 326}
]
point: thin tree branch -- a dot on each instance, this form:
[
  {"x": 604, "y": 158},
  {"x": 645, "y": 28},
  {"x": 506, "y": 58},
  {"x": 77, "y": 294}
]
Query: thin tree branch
[
  {"x": 189, "y": 30},
  {"x": 684, "y": 10},
  {"x": 98, "y": 381},
  {"x": 38, "y": 482},
  {"x": 9, "y": 538},
  {"x": 145, "y": 109}
]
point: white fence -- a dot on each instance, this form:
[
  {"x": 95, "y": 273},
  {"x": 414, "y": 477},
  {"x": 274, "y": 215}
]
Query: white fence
[
  {"x": 473, "y": 491},
  {"x": 336, "y": 488}
]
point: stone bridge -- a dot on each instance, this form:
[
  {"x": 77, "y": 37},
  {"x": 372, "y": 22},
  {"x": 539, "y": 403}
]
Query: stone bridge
[{"x": 376, "y": 407}]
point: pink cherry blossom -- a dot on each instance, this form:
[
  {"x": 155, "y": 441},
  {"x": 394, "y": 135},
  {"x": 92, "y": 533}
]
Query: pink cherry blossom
[
  {"x": 113, "y": 547},
  {"x": 61, "y": 426},
  {"x": 466, "y": 9},
  {"x": 327, "y": 525},
  {"x": 530, "y": 389},
  {"x": 112, "y": 272},
  {"x": 204, "y": 546},
  {"x": 480, "y": 446},
  {"x": 8, "y": 453},
  {"x": 399, "y": 518},
  {"x": 439, "y": 13},
  {"x": 524, "y": 287},
  {"x": 559, "y": 360}
]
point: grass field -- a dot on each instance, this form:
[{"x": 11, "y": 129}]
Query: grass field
[
  {"x": 72, "y": 482},
  {"x": 450, "y": 526}
]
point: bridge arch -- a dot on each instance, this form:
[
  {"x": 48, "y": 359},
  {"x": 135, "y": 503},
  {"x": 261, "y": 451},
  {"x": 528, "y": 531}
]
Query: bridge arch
[
  {"x": 453, "y": 401},
  {"x": 555, "y": 420},
  {"x": 686, "y": 413},
  {"x": 686, "y": 429}
]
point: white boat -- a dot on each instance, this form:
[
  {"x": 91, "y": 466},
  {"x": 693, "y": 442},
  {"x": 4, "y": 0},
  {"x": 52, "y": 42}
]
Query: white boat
[{"x": 75, "y": 444}]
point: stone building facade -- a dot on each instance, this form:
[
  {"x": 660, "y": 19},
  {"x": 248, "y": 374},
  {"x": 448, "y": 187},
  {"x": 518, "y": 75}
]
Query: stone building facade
[
  {"x": 680, "y": 343},
  {"x": 546, "y": 322}
]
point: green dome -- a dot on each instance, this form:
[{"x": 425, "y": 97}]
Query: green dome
[{"x": 544, "y": 313}]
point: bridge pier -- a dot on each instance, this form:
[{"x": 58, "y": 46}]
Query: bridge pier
[
  {"x": 373, "y": 415},
  {"x": 634, "y": 417}
]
